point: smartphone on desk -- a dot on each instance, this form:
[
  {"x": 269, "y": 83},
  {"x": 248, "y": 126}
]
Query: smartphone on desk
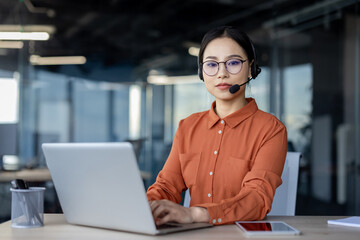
[{"x": 266, "y": 228}]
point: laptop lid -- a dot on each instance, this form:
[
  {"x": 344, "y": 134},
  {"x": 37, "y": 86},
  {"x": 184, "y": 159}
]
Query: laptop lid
[{"x": 100, "y": 185}]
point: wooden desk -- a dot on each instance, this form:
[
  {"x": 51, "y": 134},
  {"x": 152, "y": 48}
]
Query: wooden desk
[
  {"x": 312, "y": 227},
  {"x": 30, "y": 175},
  {"x": 39, "y": 175}
]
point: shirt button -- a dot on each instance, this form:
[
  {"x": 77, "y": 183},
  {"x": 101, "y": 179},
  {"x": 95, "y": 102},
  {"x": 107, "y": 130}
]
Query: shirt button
[
  {"x": 214, "y": 221},
  {"x": 222, "y": 121},
  {"x": 211, "y": 173},
  {"x": 209, "y": 195},
  {"x": 215, "y": 152},
  {"x": 219, "y": 131},
  {"x": 219, "y": 220}
]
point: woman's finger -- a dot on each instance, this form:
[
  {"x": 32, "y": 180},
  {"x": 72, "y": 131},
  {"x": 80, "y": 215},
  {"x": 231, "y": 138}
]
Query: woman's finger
[
  {"x": 165, "y": 219},
  {"x": 161, "y": 210},
  {"x": 166, "y": 211},
  {"x": 153, "y": 205}
]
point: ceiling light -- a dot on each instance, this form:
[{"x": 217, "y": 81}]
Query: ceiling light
[
  {"x": 166, "y": 80},
  {"x": 39, "y": 36},
  {"x": 64, "y": 60},
  {"x": 11, "y": 44},
  {"x": 194, "y": 51},
  {"x": 27, "y": 28}
]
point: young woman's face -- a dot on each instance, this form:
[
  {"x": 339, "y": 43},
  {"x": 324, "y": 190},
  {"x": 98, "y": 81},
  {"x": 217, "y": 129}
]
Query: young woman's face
[{"x": 222, "y": 50}]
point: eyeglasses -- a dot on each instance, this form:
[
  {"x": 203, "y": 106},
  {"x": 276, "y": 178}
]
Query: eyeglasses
[{"x": 233, "y": 66}]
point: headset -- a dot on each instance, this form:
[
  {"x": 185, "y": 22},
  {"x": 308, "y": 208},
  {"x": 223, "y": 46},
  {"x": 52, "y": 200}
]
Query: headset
[{"x": 255, "y": 69}]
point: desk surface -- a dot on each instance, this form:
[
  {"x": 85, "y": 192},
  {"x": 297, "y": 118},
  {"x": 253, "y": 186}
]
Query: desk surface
[{"x": 312, "y": 227}]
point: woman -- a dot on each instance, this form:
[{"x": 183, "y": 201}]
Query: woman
[{"x": 230, "y": 157}]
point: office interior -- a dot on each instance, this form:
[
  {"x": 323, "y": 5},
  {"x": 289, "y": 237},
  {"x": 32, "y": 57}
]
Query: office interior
[{"x": 137, "y": 78}]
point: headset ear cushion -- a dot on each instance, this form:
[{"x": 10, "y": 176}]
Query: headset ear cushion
[
  {"x": 258, "y": 70},
  {"x": 255, "y": 71}
]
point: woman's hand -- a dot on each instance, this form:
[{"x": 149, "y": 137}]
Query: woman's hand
[{"x": 166, "y": 211}]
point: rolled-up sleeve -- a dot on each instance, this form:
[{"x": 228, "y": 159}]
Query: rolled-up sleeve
[{"x": 169, "y": 182}]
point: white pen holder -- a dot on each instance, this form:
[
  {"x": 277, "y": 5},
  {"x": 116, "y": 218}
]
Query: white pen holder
[{"x": 27, "y": 207}]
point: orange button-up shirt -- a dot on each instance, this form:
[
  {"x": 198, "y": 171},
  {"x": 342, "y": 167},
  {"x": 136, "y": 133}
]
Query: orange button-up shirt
[{"x": 231, "y": 166}]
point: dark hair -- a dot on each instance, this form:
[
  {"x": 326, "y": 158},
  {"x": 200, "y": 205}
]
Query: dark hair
[{"x": 238, "y": 36}]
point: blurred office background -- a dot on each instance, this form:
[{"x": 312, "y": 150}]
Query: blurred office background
[{"x": 136, "y": 78}]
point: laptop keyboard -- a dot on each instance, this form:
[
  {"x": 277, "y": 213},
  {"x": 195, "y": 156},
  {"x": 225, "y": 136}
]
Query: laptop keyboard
[{"x": 168, "y": 225}]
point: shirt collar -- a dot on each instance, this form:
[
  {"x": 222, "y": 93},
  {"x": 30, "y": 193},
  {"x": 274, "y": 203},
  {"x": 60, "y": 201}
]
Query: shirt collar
[{"x": 235, "y": 118}]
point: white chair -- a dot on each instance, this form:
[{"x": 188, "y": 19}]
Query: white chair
[
  {"x": 284, "y": 202},
  {"x": 285, "y": 196},
  {"x": 187, "y": 198}
]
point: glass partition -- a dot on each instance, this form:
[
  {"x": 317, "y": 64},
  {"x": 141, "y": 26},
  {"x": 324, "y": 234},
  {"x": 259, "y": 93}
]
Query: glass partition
[{"x": 315, "y": 90}]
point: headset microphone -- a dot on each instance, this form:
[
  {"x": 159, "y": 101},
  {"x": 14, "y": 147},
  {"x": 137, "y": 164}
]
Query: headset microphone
[{"x": 236, "y": 87}]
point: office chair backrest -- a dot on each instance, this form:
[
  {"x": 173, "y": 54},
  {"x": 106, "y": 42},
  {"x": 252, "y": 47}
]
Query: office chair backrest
[
  {"x": 284, "y": 202},
  {"x": 285, "y": 196}
]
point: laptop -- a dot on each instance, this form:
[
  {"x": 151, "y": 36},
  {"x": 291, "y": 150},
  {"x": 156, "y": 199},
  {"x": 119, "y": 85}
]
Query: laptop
[{"x": 100, "y": 185}]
